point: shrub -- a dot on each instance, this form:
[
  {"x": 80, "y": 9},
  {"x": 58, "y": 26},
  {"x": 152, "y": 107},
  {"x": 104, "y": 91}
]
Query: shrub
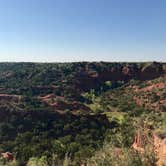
[{"x": 38, "y": 161}]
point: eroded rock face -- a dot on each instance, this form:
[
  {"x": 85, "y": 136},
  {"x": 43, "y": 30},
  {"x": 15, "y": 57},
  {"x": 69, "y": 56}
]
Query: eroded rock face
[
  {"x": 9, "y": 97},
  {"x": 160, "y": 149},
  {"x": 123, "y": 72},
  {"x": 139, "y": 142},
  {"x": 158, "y": 143},
  {"x": 74, "y": 107},
  {"x": 8, "y": 156},
  {"x": 151, "y": 71},
  {"x": 59, "y": 104}
]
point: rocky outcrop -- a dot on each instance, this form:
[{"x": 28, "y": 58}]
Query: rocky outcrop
[
  {"x": 88, "y": 78},
  {"x": 158, "y": 143},
  {"x": 151, "y": 71},
  {"x": 59, "y": 104},
  {"x": 8, "y": 156},
  {"x": 8, "y": 97},
  {"x": 160, "y": 149},
  {"x": 140, "y": 140},
  {"x": 74, "y": 107}
]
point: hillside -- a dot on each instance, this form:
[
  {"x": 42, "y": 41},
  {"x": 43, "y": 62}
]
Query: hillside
[{"x": 76, "y": 112}]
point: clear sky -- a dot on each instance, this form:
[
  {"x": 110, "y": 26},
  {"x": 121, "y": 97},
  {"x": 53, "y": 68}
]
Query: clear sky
[{"x": 82, "y": 30}]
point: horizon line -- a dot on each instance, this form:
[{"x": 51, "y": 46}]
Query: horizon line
[{"x": 83, "y": 61}]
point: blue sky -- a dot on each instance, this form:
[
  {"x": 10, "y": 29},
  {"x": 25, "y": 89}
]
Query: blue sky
[{"x": 82, "y": 30}]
